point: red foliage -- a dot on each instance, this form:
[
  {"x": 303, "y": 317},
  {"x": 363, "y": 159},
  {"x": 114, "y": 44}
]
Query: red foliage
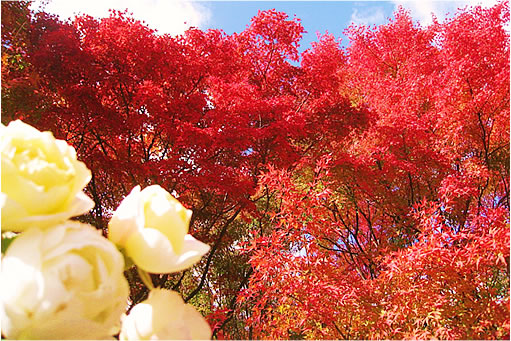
[
  {"x": 363, "y": 194},
  {"x": 401, "y": 230}
]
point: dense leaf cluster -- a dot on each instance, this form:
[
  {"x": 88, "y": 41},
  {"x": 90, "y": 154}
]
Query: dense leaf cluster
[{"x": 362, "y": 193}]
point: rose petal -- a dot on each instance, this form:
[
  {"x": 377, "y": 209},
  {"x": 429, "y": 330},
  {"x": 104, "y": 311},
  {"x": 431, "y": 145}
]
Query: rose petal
[
  {"x": 127, "y": 219},
  {"x": 151, "y": 251}
]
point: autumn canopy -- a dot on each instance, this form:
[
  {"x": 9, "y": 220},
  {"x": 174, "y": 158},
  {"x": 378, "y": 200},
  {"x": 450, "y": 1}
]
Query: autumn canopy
[{"x": 345, "y": 193}]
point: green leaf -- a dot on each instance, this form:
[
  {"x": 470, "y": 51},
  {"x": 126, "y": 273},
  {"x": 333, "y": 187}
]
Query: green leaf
[{"x": 7, "y": 239}]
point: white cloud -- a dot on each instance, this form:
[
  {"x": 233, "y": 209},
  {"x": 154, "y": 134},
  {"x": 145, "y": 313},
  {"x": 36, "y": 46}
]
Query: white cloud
[
  {"x": 166, "y": 16},
  {"x": 422, "y": 10},
  {"x": 368, "y": 16}
]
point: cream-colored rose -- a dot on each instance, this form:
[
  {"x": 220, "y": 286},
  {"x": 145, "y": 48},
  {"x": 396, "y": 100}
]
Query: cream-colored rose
[
  {"x": 41, "y": 179},
  {"x": 164, "y": 316},
  {"x": 152, "y": 228},
  {"x": 63, "y": 282}
]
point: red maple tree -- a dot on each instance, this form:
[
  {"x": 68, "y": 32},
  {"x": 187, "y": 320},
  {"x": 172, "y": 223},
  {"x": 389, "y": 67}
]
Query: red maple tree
[{"x": 362, "y": 194}]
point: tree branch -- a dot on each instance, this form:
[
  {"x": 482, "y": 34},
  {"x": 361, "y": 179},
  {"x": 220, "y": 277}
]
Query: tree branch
[{"x": 211, "y": 253}]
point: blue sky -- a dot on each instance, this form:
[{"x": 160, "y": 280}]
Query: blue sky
[
  {"x": 317, "y": 17},
  {"x": 175, "y": 16}
]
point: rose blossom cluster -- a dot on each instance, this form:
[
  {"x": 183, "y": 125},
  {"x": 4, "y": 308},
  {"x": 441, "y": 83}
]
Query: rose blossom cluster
[{"x": 61, "y": 279}]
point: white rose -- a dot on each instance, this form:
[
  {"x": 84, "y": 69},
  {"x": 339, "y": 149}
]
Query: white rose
[
  {"x": 164, "y": 316},
  {"x": 152, "y": 228},
  {"x": 42, "y": 181},
  {"x": 64, "y": 282}
]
